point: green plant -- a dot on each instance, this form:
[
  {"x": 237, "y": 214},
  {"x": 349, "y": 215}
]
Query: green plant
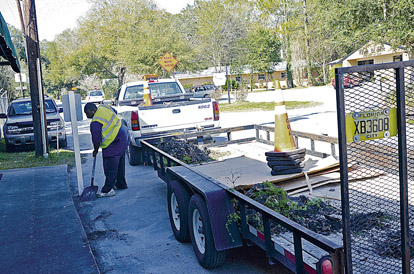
[
  {"x": 187, "y": 159},
  {"x": 187, "y": 87},
  {"x": 232, "y": 218},
  {"x": 233, "y": 84}
]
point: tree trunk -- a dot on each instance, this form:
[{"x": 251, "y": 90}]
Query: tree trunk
[
  {"x": 288, "y": 50},
  {"x": 121, "y": 76},
  {"x": 308, "y": 63}
]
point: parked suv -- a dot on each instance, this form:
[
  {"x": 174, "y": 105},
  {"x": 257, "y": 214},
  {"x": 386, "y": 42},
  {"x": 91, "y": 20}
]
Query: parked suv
[
  {"x": 18, "y": 129},
  {"x": 349, "y": 81},
  {"x": 203, "y": 91},
  {"x": 95, "y": 96}
]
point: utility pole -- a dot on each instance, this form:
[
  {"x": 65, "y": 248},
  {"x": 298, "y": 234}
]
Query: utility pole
[{"x": 36, "y": 88}]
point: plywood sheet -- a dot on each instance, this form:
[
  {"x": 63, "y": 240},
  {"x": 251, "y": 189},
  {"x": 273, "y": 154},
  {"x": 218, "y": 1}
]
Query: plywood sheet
[{"x": 245, "y": 172}]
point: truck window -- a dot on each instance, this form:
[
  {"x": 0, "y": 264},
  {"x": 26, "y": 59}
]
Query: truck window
[
  {"x": 134, "y": 92},
  {"x": 162, "y": 89}
]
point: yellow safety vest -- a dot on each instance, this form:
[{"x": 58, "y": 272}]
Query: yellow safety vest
[{"x": 110, "y": 124}]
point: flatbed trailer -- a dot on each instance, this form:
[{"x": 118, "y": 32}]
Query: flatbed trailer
[{"x": 200, "y": 210}]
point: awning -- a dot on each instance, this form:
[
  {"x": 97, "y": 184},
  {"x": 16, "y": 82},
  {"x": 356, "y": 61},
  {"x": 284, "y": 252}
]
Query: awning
[{"x": 7, "y": 50}]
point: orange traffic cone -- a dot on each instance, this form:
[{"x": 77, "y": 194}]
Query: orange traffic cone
[
  {"x": 283, "y": 133},
  {"x": 147, "y": 95}
]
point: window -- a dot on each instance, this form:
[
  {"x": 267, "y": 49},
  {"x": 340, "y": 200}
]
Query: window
[
  {"x": 162, "y": 89},
  {"x": 134, "y": 92},
  {"x": 238, "y": 78},
  {"x": 366, "y": 62},
  {"x": 283, "y": 74},
  {"x": 262, "y": 76},
  {"x": 397, "y": 58}
]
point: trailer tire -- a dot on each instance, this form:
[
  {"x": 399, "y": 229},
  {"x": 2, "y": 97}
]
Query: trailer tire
[
  {"x": 134, "y": 155},
  {"x": 201, "y": 234},
  {"x": 177, "y": 200}
]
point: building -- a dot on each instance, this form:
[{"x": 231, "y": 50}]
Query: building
[
  {"x": 210, "y": 75},
  {"x": 372, "y": 53}
]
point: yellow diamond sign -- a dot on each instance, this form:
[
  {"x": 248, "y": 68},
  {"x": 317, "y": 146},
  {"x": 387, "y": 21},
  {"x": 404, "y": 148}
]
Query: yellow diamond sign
[{"x": 168, "y": 61}]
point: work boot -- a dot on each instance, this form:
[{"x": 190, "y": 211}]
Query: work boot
[{"x": 103, "y": 194}]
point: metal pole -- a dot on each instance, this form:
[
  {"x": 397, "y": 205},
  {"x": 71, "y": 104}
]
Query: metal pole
[
  {"x": 228, "y": 89},
  {"x": 42, "y": 109},
  {"x": 402, "y": 153},
  {"x": 343, "y": 160}
]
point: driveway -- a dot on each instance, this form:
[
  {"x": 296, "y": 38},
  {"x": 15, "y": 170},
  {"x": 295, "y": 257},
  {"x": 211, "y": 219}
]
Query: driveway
[{"x": 131, "y": 233}]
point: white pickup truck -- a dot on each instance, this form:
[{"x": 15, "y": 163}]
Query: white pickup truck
[{"x": 173, "y": 112}]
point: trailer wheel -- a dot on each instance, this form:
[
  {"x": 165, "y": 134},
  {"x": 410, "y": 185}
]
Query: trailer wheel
[
  {"x": 178, "y": 199},
  {"x": 201, "y": 234},
  {"x": 134, "y": 155}
]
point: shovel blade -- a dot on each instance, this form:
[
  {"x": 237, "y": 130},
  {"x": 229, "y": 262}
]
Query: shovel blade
[{"x": 89, "y": 193}]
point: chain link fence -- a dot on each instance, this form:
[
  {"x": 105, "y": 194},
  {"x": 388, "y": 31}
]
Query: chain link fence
[{"x": 377, "y": 138}]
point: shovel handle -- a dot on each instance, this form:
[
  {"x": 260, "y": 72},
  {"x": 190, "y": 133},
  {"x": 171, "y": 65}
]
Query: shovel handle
[{"x": 93, "y": 170}]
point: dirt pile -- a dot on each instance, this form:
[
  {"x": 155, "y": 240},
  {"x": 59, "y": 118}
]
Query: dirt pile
[
  {"x": 314, "y": 214},
  {"x": 188, "y": 153}
]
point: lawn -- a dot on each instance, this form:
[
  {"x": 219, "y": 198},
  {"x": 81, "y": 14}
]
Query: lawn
[{"x": 29, "y": 159}]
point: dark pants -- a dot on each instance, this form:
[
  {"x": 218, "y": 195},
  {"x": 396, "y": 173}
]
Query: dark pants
[{"x": 114, "y": 169}]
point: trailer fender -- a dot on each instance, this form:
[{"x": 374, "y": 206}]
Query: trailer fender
[{"x": 218, "y": 204}]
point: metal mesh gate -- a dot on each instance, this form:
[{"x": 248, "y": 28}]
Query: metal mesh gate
[{"x": 376, "y": 120}]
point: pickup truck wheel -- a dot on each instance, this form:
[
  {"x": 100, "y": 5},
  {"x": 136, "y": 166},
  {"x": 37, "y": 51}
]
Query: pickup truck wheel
[
  {"x": 178, "y": 199},
  {"x": 134, "y": 155},
  {"x": 64, "y": 143},
  {"x": 10, "y": 148},
  {"x": 201, "y": 234}
]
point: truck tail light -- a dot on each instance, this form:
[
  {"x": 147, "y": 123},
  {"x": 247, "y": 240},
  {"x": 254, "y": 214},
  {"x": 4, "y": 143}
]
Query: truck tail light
[
  {"x": 325, "y": 265},
  {"x": 134, "y": 121},
  {"x": 216, "y": 111}
]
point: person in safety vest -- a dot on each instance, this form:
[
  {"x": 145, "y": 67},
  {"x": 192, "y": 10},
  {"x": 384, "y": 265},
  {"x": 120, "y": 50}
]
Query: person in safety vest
[{"x": 111, "y": 135}]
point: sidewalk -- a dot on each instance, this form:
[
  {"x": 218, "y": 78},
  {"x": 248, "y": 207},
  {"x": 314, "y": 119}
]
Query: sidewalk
[{"x": 40, "y": 230}]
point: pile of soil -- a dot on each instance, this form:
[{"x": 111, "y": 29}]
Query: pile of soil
[{"x": 188, "y": 153}]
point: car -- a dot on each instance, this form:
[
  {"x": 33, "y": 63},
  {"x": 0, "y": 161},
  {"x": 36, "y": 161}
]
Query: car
[
  {"x": 203, "y": 91},
  {"x": 349, "y": 81},
  {"x": 18, "y": 129},
  {"x": 95, "y": 96}
]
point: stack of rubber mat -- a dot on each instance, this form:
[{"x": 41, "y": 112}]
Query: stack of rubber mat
[{"x": 287, "y": 162}]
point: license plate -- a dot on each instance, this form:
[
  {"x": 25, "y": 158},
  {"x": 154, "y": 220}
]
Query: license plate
[{"x": 369, "y": 125}]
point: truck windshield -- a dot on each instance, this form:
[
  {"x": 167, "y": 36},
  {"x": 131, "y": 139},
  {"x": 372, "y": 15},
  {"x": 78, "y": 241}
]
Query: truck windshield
[
  {"x": 95, "y": 93},
  {"x": 24, "y": 108}
]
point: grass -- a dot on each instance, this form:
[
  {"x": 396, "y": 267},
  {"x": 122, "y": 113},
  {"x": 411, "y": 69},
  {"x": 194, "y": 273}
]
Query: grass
[
  {"x": 265, "y": 106},
  {"x": 29, "y": 159}
]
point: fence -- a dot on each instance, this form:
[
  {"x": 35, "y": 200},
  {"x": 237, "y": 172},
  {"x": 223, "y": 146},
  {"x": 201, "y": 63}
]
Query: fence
[{"x": 376, "y": 136}]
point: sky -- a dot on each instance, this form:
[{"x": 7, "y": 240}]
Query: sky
[{"x": 54, "y": 16}]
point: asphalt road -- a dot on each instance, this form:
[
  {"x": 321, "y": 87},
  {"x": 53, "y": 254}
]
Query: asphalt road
[{"x": 131, "y": 233}]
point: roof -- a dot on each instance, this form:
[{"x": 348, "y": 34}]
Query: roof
[
  {"x": 211, "y": 71},
  {"x": 369, "y": 43},
  {"x": 7, "y": 50}
]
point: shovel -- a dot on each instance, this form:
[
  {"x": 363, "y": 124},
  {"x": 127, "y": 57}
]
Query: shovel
[{"x": 89, "y": 192}]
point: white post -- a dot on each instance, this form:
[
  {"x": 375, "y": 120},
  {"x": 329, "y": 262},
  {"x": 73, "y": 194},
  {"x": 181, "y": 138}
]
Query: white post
[
  {"x": 75, "y": 136},
  {"x": 57, "y": 138},
  {"x": 42, "y": 109}
]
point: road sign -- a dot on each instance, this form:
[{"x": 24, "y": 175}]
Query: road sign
[{"x": 168, "y": 61}]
